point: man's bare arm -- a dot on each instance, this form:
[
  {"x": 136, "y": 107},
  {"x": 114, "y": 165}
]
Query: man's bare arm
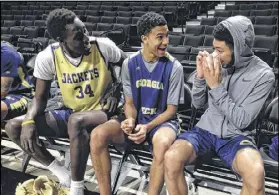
[{"x": 6, "y": 83}]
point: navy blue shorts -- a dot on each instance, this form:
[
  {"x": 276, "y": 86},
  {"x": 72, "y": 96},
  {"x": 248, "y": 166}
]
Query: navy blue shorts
[{"x": 205, "y": 142}]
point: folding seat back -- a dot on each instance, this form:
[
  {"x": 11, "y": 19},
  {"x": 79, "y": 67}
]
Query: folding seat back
[
  {"x": 91, "y": 12},
  {"x": 72, "y": 3},
  {"x": 169, "y": 3},
  {"x": 135, "y": 3},
  {"x": 55, "y": 7},
  {"x": 7, "y": 17},
  {"x": 5, "y": 12},
  {"x": 264, "y": 6},
  {"x": 194, "y": 41},
  {"x": 241, "y": 12},
  {"x": 170, "y": 9},
  {"x": 124, "y": 27},
  {"x": 123, "y": 8},
  {"x": 40, "y": 23},
  {"x": 208, "y": 30},
  {"x": 252, "y": 18},
  {"x": 107, "y": 19},
  {"x": 90, "y": 26},
  {"x": 180, "y": 53},
  {"x": 194, "y": 29},
  {"x": 26, "y": 23},
  {"x": 34, "y": 7},
  {"x": 5, "y": 30},
  {"x": 222, "y": 14},
  {"x": 18, "y": 17},
  {"x": 138, "y": 8},
  {"x": 247, "y": 6},
  {"x": 109, "y": 13},
  {"x": 175, "y": 40},
  {"x": 123, "y": 20},
  {"x": 270, "y": 43},
  {"x": 14, "y": 7},
  {"x": 208, "y": 40},
  {"x": 44, "y": 16},
  {"x": 24, "y": 7},
  {"x": 16, "y": 12},
  {"x": 135, "y": 20},
  {"x": 260, "y": 13},
  {"x": 9, "y": 23},
  {"x": 231, "y": 7},
  {"x": 104, "y": 27},
  {"x": 124, "y": 13},
  {"x": 146, "y": 3},
  {"x": 17, "y": 30},
  {"x": 82, "y": 3},
  {"x": 264, "y": 30},
  {"x": 157, "y": 3},
  {"x": 157, "y": 9},
  {"x": 208, "y": 21},
  {"x": 138, "y": 13},
  {"x": 275, "y": 5},
  {"x": 30, "y": 17},
  {"x": 107, "y": 3},
  {"x": 81, "y": 7},
  {"x": 44, "y": 7},
  {"x": 43, "y": 42},
  {"x": 79, "y": 12},
  {"x": 31, "y": 31},
  {"x": 106, "y": 8},
  {"x": 27, "y": 12},
  {"x": 94, "y": 7},
  {"x": 119, "y": 3},
  {"x": 265, "y": 20},
  {"x": 93, "y": 19}
]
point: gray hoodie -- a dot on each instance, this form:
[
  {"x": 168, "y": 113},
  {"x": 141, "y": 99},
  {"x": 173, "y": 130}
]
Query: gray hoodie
[{"x": 235, "y": 103}]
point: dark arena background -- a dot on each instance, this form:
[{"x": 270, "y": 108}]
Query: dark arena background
[{"x": 190, "y": 24}]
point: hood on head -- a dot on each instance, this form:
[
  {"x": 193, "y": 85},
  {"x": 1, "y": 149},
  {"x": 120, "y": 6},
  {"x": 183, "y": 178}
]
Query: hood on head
[{"x": 242, "y": 31}]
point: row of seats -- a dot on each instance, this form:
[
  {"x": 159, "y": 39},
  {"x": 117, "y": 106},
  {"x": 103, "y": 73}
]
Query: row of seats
[
  {"x": 228, "y": 13},
  {"x": 252, "y": 6}
]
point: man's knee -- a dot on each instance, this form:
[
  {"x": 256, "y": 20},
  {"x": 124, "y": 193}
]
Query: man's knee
[
  {"x": 75, "y": 123},
  {"x": 98, "y": 137},
  {"x": 13, "y": 129}
]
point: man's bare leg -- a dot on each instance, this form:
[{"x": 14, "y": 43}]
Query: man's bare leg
[
  {"x": 162, "y": 140},
  {"x": 101, "y": 137},
  {"x": 179, "y": 154}
]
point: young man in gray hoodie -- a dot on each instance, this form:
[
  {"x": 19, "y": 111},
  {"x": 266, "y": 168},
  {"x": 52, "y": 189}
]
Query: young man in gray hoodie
[{"x": 235, "y": 91}]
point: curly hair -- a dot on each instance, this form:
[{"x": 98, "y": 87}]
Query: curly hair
[
  {"x": 221, "y": 33},
  {"x": 57, "y": 20},
  {"x": 148, "y": 21}
]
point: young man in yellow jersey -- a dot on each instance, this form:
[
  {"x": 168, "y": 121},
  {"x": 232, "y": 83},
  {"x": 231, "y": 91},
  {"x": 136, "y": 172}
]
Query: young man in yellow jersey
[
  {"x": 153, "y": 87},
  {"x": 80, "y": 64}
]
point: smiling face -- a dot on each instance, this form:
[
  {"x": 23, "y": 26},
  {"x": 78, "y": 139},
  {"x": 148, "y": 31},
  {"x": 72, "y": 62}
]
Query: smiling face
[
  {"x": 223, "y": 50},
  {"x": 155, "y": 42},
  {"x": 76, "y": 41}
]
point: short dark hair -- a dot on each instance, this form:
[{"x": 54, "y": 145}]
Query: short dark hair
[
  {"x": 57, "y": 20},
  {"x": 221, "y": 33},
  {"x": 148, "y": 21}
]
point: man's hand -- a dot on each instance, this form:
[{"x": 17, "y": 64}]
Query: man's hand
[
  {"x": 140, "y": 134},
  {"x": 29, "y": 137},
  {"x": 128, "y": 125},
  {"x": 199, "y": 61},
  {"x": 112, "y": 104},
  {"x": 212, "y": 70}
]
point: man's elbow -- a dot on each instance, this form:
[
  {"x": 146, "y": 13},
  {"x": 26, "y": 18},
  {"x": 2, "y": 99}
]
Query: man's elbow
[{"x": 4, "y": 94}]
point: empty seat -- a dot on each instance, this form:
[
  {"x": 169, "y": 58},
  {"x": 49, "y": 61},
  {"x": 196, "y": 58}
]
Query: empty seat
[
  {"x": 5, "y": 30},
  {"x": 44, "y": 7},
  {"x": 208, "y": 40},
  {"x": 123, "y": 20},
  {"x": 16, "y": 12},
  {"x": 208, "y": 30},
  {"x": 109, "y": 13},
  {"x": 91, "y": 12},
  {"x": 93, "y": 7},
  {"x": 264, "y": 30},
  {"x": 82, "y": 7},
  {"x": 17, "y": 30},
  {"x": 175, "y": 40},
  {"x": 209, "y": 21},
  {"x": 241, "y": 12},
  {"x": 7, "y": 17},
  {"x": 135, "y": 20},
  {"x": 42, "y": 41},
  {"x": 119, "y": 3},
  {"x": 265, "y": 20},
  {"x": 220, "y": 19},
  {"x": 194, "y": 29},
  {"x": 146, "y": 3},
  {"x": 274, "y": 12},
  {"x": 107, "y": 3},
  {"x": 124, "y": 13},
  {"x": 26, "y": 23},
  {"x": 31, "y": 31},
  {"x": 25, "y": 45},
  {"x": 138, "y": 8},
  {"x": 103, "y": 27},
  {"x": 252, "y": 18},
  {"x": 193, "y": 41},
  {"x": 19, "y": 17},
  {"x": 180, "y": 53},
  {"x": 93, "y": 19},
  {"x": 90, "y": 26},
  {"x": 135, "y": 3},
  {"x": 30, "y": 17},
  {"x": 34, "y": 7},
  {"x": 222, "y": 14},
  {"x": 121, "y": 37},
  {"x": 6, "y": 12},
  {"x": 232, "y": 7},
  {"x": 106, "y": 8},
  {"x": 123, "y": 8},
  {"x": 264, "y": 6},
  {"x": 170, "y": 9},
  {"x": 270, "y": 43},
  {"x": 247, "y": 6},
  {"x": 275, "y": 5},
  {"x": 260, "y": 13},
  {"x": 27, "y": 12},
  {"x": 169, "y": 3},
  {"x": 107, "y": 19},
  {"x": 79, "y": 12},
  {"x": 9, "y": 23},
  {"x": 40, "y": 23},
  {"x": 124, "y": 27},
  {"x": 138, "y": 13},
  {"x": 157, "y": 9}
]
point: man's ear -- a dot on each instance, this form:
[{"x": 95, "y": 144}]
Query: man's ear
[{"x": 143, "y": 38}]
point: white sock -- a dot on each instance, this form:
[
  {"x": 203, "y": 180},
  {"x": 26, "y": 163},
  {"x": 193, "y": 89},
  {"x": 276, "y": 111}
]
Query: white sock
[
  {"x": 60, "y": 171},
  {"x": 77, "y": 188}
]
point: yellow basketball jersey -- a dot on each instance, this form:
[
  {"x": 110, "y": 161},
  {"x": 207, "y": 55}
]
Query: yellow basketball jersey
[{"x": 82, "y": 86}]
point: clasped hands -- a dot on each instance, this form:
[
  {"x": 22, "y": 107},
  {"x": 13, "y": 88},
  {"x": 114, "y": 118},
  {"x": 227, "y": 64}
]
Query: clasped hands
[
  {"x": 136, "y": 134},
  {"x": 209, "y": 67}
]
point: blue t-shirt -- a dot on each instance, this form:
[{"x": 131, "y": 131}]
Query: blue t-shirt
[
  {"x": 10, "y": 67},
  {"x": 149, "y": 89}
]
